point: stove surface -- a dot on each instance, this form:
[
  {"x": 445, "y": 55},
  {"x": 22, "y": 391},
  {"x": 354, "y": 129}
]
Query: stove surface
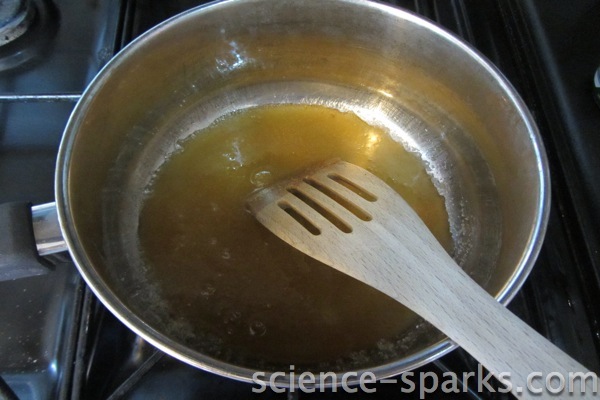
[
  {"x": 58, "y": 341},
  {"x": 42, "y": 73}
]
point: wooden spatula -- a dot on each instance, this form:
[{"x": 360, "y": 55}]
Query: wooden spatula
[{"x": 347, "y": 218}]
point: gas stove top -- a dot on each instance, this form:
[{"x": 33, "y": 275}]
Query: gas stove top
[{"x": 58, "y": 341}]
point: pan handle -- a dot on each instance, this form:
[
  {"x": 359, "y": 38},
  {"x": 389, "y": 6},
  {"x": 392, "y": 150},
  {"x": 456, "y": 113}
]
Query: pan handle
[
  {"x": 46, "y": 229},
  {"x": 28, "y": 233}
]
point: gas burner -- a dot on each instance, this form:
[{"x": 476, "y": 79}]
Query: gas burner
[
  {"x": 26, "y": 27},
  {"x": 15, "y": 18}
]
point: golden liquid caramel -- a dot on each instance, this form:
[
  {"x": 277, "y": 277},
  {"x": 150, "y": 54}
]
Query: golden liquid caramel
[{"x": 224, "y": 274}]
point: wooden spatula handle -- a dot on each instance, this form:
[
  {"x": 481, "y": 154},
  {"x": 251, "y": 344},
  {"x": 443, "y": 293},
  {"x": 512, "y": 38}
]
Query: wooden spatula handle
[
  {"x": 494, "y": 336},
  {"x": 442, "y": 293}
]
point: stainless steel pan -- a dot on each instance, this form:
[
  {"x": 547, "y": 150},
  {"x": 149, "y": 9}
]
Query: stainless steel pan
[{"x": 391, "y": 67}]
